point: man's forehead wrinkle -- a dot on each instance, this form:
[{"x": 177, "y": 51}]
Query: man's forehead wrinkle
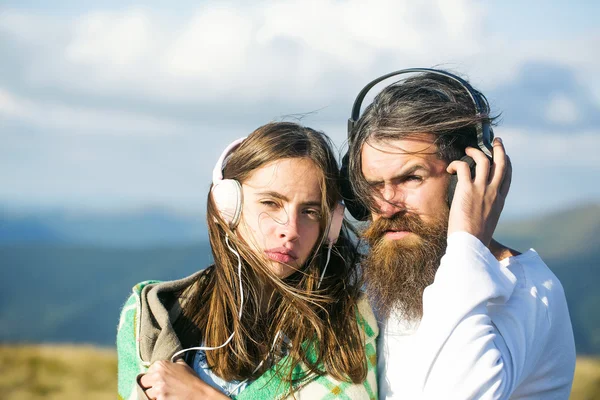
[{"x": 378, "y": 145}]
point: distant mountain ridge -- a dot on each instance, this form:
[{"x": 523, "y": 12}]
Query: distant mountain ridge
[
  {"x": 142, "y": 228},
  {"x": 66, "y": 282},
  {"x": 563, "y": 232}
]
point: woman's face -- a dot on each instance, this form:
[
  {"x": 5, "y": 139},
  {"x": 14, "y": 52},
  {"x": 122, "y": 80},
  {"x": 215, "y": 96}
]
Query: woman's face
[{"x": 282, "y": 212}]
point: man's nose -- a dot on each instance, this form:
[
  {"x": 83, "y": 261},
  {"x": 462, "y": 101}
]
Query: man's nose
[{"x": 389, "y": 203}]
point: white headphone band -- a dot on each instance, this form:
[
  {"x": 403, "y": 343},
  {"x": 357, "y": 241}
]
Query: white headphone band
[{"x": 218, "y": 169}]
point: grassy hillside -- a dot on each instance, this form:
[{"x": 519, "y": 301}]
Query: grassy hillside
[
  {"x": 69, "y": 372},
  {"x": 57, "y": 372},
  {"x": 586, "y": 385}
]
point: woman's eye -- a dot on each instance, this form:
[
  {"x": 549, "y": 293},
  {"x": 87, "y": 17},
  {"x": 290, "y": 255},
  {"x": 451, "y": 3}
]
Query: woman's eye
[{"x": 268, "y": 203}]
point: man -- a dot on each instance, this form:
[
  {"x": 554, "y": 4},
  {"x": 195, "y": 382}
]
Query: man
[{"x": 462, "y": 316}]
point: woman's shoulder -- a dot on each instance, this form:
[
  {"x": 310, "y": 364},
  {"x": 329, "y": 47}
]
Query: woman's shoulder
[
  {"x": 139, "y": 287},
  {"x": 149, "y": 307},
  {"x": 167, "y": 286},
  {"x": 139, "y": 294}
]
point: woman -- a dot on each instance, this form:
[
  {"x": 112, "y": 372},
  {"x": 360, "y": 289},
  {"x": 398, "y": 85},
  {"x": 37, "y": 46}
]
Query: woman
[{"x": 279, "y": 313}]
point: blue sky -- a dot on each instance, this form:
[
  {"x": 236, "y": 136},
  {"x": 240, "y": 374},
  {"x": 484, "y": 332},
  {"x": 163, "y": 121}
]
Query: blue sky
[{"x": 122, "y": 105}]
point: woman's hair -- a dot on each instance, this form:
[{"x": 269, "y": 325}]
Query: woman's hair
[{"x": 320, "y": 321}]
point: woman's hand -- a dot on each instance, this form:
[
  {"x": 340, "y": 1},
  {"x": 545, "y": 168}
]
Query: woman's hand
[
  {"x": 478, "y": 202},
  {"x": 176, "y": 380}
]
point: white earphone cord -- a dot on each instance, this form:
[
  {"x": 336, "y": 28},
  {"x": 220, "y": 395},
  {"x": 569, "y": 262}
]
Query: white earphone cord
[
  {"x": 177, "y": 354},
  {"x": 180, "y": 352},
  {"x": 326, "y": 264},
  {"x": 204, "y": 348}
]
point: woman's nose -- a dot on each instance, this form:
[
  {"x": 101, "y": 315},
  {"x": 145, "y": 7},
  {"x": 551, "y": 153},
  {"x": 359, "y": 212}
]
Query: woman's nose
[{"x": 289, "y": 229}]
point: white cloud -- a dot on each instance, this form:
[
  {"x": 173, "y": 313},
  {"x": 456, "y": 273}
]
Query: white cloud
[
  {"x": 214, "y": 44},
  {"x": 218, "y": 50},
  {"x": 566, "y": 151},
  {"x": 110, "y": 40},
  {"x": 500, "y": 60},
  {"x": 10, "y": 106},
  {"x": 77, "y": 120},
  {"x": 286, "y": 55},
  {"x": 562, "y": 110},
  {"x": 278, "y": 49}
]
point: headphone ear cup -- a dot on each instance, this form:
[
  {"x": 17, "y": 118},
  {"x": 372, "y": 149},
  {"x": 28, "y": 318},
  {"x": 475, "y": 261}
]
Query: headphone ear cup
[
  {"x": 355, "y": 206},
  {"x": 227, "y": 196},
  {"x": 335, "y": 226}
]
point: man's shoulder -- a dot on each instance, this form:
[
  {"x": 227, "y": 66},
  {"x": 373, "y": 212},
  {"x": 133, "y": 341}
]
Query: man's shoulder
[
  {"x": 529, "y": 266},
  {"x": 535, "y": 279}
]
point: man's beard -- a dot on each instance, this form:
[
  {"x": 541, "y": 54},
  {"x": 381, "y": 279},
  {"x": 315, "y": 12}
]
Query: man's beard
[{"x": 398, "y": 271}]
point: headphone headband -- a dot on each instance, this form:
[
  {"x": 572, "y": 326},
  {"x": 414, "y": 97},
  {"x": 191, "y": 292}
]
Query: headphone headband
[
  {"x": 484, "y": 134},
  {"x": 217, "y": 174}
]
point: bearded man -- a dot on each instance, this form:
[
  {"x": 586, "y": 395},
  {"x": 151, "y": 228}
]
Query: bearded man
[{"x": 461, "y": 316}]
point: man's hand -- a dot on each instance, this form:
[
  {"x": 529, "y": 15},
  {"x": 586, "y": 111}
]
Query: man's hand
[
  {"x": 176, "y": 380},
  {"x": 478, "y": 202}
]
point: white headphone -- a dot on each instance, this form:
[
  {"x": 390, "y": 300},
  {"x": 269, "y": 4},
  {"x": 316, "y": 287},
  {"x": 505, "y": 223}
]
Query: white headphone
[
  {"x": 227, "y": 196},
  {"x": 227, "y": 193}
]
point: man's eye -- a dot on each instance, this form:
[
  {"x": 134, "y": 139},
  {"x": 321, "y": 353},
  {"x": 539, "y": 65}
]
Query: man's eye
[{"x": 414, "y": 178}]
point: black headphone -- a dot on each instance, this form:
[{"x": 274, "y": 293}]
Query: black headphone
[{"x": 485, "y": 135}]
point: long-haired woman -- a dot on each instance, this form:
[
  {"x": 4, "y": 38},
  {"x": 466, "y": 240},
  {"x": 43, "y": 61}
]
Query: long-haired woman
[{"x": 280, "y": 312}]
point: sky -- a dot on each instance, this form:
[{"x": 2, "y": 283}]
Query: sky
[{"x": 120, "y": 105}]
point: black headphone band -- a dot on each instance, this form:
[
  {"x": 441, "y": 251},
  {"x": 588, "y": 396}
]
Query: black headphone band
[
  {"x": 483, "y": 129},
  {"x": 483, "y": 132}
]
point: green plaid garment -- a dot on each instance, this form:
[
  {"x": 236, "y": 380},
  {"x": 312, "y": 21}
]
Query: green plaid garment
[{"x": 267, "y": 386}]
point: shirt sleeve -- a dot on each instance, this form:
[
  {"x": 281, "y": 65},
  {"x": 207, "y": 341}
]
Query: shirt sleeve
[{"x": 463, "y": 354}]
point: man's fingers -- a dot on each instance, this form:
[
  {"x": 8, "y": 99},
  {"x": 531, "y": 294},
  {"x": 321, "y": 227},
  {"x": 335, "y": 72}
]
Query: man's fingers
[
  {"x": 461, "y": 169},
  {"x": 500, "y": 160},
  {"x": 482, "y": 168},
  {"x": 507, "y": 178}
]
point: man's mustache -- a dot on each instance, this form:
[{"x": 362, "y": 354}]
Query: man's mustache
[{"x": 407, "y": 222}]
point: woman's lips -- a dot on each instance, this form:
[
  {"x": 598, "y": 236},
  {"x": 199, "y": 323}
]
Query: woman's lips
[{"x": 281, "y": 254}]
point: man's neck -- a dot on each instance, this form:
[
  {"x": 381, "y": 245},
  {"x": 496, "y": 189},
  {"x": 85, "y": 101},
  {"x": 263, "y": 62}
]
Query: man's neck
[{"x": 500, "y": 251}]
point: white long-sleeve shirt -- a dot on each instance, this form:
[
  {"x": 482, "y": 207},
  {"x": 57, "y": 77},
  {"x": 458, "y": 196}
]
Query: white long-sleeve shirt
[{"x": 490, "y": 330}]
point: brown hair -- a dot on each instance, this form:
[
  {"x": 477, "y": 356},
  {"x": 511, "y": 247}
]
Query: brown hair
[
  {"x": 323, "y": 318},
  {"x": 424, "y": 103}
]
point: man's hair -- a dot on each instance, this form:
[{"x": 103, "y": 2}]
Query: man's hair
[{"x": 422, "y": 104}]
